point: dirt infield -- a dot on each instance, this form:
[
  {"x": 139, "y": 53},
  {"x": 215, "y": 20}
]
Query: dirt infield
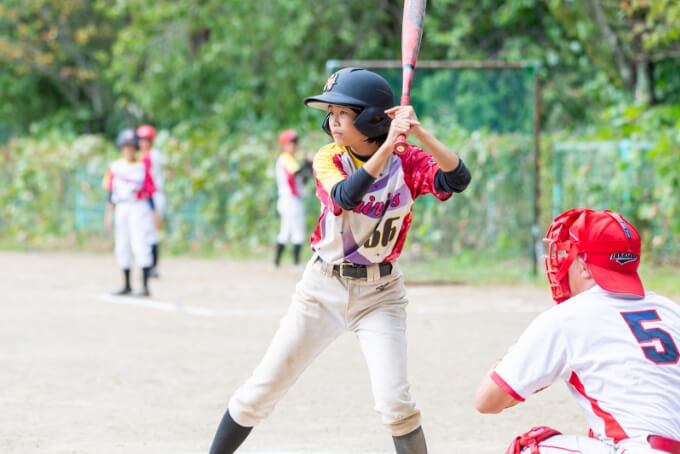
[{"x": 82, "y": 372}]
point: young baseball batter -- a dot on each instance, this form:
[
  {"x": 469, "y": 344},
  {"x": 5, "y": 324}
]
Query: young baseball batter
[
  {"x": 153, "y": 159},
  {"x": 290, "y": 177},
  {"x": 353, "y": 282},
  {"x": 131, "y": 188},
  {"x": 613, "y": 343}
]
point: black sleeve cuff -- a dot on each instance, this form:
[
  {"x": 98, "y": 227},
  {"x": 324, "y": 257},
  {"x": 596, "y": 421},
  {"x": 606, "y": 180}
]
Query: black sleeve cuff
[
  {"x": 454, "y": 181},
  {"x": 349, "y": 192}
]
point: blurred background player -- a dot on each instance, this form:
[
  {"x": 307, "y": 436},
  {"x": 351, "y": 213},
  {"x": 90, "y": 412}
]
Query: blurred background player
[
  {"x": 153, "y": 158},
  {"x": 290, "y": 179},
  {"x": 353, "y": 282},
  {"x": 131, "y": 190},
  {"x": 613, "y": 343}
]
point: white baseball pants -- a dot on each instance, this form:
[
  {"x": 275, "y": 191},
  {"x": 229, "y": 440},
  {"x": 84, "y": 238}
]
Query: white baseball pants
[
  {"x": 292, "y": 214},
  {"x": 133, "y": 222},
  {"x": 323, "y": 307}
]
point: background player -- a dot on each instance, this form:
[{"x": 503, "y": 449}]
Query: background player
[
  {"x": 153, "y": 158},
  {"x": 290, "y": 179},
  {"x": 353, "y": 282},
  {"x": 615, "y": 345},
  {"x": 131, "y": 189}
]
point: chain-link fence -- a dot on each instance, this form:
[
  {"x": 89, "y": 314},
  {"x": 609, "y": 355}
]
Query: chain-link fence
[{"x": 617, "y": 175}]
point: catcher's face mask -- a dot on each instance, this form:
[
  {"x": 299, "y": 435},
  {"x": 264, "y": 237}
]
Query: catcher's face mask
[
  {"x": 608, "y": 243},
  {"x": 560, "y": 251}
]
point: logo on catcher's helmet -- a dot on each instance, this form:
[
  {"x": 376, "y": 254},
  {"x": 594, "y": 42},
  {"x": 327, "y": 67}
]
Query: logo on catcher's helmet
[
  {"x": 623, "y": 257},
  {"x": 330, "y": 82}
]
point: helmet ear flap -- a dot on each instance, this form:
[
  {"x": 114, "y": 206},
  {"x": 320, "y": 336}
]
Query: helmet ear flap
[
  {"x": 372, "y": 122},
  {"x": 326, "y": 125}
]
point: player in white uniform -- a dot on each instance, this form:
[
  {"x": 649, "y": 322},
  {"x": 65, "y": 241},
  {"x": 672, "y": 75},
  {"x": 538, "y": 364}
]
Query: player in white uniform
[
  {"x": 353, "y": 282},
  {"x": 131, "y": 188},
  {"x": 153, "y": 158},
  {"x": 290, "y": 178},
  {"x": 613, "y": 343}
]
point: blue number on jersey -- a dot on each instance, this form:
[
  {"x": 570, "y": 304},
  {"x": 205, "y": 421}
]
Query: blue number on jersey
[{"x": 669, "y": 353}]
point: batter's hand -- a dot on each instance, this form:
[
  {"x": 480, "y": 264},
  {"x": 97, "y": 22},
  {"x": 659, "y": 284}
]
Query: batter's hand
[{"x": 404, "y": 121}]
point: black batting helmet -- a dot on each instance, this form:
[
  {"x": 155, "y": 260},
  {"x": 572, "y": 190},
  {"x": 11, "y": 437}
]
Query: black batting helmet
[
  {"x": 362, "y": 89},
  {"x": 127, "y": 137}
]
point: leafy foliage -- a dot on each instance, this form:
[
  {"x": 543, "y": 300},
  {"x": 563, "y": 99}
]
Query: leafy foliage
[{"x": 219, "y": 76}]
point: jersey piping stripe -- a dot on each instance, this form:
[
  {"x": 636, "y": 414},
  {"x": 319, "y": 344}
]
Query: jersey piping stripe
[
  {"x": 561, "y": 448},
  {"x": 507, "y": 388},
  {"x": 612, "y": 428}
]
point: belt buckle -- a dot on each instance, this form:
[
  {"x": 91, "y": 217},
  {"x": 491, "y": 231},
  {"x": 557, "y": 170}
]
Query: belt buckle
[{"x": 346, "y": 265}]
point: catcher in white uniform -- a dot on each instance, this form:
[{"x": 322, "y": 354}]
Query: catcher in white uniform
[
  {"x": 612, "y": 342},
  {"x": 353, "y": 282},
  {"x": 130, "y": 185},
  {"x": 290, "y": 179}
]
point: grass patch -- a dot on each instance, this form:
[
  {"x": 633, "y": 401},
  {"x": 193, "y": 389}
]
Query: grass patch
[
  {"x": 664, "y": 280},
  {"x": 470, "y": 269}
]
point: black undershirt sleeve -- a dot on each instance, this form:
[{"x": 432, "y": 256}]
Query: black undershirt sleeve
[
  {"x": 454, "y": 181},
  {"x": 348, "y": 193}
]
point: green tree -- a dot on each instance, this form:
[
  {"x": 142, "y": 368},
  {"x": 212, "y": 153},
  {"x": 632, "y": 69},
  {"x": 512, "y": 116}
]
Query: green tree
[{"x": 54, "y": 53}]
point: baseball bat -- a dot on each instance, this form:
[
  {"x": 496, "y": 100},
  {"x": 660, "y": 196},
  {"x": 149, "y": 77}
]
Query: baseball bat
[{"x": 411, "y": 34}]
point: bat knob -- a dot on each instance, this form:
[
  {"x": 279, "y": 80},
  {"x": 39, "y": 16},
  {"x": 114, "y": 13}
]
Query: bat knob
[{"x": 400, "y": 145}]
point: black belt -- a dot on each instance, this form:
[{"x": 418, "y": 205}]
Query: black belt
[{"x": 355, "y": 271}]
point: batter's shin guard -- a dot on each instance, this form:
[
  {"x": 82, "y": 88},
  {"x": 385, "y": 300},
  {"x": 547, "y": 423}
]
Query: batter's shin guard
[
  {"x": 229, "y": 436},
  {"x": 411, "y": 443}
]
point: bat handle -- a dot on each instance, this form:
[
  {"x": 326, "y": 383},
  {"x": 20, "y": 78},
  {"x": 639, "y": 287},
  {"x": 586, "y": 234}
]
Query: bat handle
[{"x": 400, "y": 144}]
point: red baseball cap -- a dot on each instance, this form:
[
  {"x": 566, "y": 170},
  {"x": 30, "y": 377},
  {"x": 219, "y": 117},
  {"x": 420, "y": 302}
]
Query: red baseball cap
[
  {"x": 289, "y": 135},
  {"x": 610, "y": 245}
]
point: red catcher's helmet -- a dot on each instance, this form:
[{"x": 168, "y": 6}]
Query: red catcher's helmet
[
  {"x": 147, "y": 132},
  {"x": 608, "y": 243},
  {"x": 287, "y": 136}
]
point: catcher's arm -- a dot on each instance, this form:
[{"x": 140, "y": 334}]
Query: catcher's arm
[{"x": 492, "y": 398}]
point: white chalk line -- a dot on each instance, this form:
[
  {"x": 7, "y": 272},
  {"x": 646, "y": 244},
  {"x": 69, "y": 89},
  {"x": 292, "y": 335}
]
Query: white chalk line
[
  {"x": 513, "y": 306},
  {"x": 149, "y": 303}
]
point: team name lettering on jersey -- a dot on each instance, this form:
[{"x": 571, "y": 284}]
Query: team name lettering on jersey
[{"x": 376, "y": 229}]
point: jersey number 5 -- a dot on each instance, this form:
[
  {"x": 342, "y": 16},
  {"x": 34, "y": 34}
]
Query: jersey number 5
[{"x": 650, "y": 339}]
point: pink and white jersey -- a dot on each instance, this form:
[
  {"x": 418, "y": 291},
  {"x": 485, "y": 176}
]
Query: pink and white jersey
[
  {"x": 129, "y": 181},
  {"x": 375, "y": 231},
  {"x": 620, "y": 358}
]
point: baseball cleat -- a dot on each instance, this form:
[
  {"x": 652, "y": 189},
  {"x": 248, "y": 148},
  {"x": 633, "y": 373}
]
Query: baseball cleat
[
  {"x": 143, "y": 293},
  {"x": 122, "y": 292}
]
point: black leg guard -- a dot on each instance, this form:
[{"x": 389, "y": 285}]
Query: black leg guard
[
  {"x": 279, "y": 252},
  {"x": 411, "y": 443},
  {"x": 229, "y": 436},
  {"x": 296, "y": 253}
]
